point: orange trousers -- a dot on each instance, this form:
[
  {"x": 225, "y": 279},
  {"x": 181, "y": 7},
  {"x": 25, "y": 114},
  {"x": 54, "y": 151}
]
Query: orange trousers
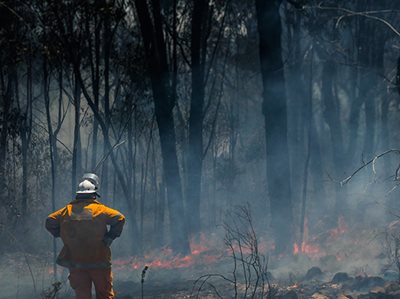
[{"x": 81, "y": 281}]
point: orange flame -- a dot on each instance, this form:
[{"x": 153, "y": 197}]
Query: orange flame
[
  {"x": 200, "y": 254},
  {"x": 306, "y": 247},
  {"x": 314, "y": 250},
  {"x": 339, "y": 230}
]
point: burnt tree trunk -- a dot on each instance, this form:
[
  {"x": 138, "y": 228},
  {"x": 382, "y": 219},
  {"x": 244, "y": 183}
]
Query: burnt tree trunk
[
  {"x": 94, "y": 58},
  {"x": 6, "y": 98},
  {"x": 76, "y": 148},
  {"x": 107, "y": 40},
  {"x": 332, "y": 117},
  {"x": 195, "y": 154},
  {"x": 53, "y": 151},
  {"x": 156, "y": 53},
  {"x": 26, "y": 133},
  {"x": 297, "y": 103},
  {"x": 275, "y": 114}
]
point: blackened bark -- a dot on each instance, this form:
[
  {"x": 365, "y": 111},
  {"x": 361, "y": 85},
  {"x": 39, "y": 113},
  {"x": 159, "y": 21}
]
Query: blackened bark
[
  {"x": 195, "y": 149},
  {"x": 25, "y": 131},
  {"x": 76, "y": 148},
  {"x": 354, "y": 120},
  {"x": 6, "y": 100},
  {"x": 53, "y": 150},
  {"x": 366, "y": 77},
  {"x": 156, "y": 53},
  {"x": 107, "y": 40},
  {"x": 297, "y": 103},
  {"x": 132, "y": 141},
  {"x": 308, "y": 126},
  {"x": 160, "y": 212},
  {"x": 178, "y": 228},
  {"x": 95, "y": 72},
  {"x": 371, "y": 55},
  {"x": 275, "y": 114},
  {"x": 333, "y": 120},
  {"x": 398, "y": 75}
]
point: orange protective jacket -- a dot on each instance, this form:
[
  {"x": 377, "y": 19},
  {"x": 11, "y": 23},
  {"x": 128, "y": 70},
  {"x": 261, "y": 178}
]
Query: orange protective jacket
[{"x": 82, "y": 226}]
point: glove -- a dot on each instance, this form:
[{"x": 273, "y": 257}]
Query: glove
[{"x": 107, "y": 241}]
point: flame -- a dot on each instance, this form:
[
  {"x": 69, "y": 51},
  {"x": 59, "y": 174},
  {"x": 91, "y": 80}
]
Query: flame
[
  {"x": 339, "y": 230},
  {"x": 203, "y": 251},
  {"x": 296, "y": 249},
  {"x": 200, "y": 254},
  {"x": 313, "y": 249}
]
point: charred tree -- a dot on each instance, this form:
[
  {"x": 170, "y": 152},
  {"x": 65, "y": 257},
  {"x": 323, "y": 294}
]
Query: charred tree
[
  {"x": 156, "y": 52},
  {"x": 26, "y": 134},
  {"x": 366, "y": 77},
  {"x": 6, "y": 100},
  {"x": 76, "y": 147},
  {"x": 195, "y": 149},
  {"x": 297, "y": 95},
  {"x": 275, "y": 114},
  {"x": 332, "y": 118},
  {"x": 107, "y": 44},
  {"x": 94, "y": 61}
]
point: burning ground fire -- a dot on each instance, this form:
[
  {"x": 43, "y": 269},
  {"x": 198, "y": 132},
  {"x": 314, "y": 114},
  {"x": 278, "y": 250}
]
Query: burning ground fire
[
  {"x": 200, "y": 254},
  {"x": 311, "y": 248},
  {"x": 204, "y": 252},
  {"x": 313, "y": 265}
]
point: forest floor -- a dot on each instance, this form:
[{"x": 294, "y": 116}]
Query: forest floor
[
  {"x": 291, "y": 281},
  {"x": 351, "y": 265}
]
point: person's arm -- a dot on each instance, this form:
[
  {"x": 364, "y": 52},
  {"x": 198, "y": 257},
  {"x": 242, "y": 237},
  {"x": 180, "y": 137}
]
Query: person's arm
[
  {"x": 116, "y": 222},
  {"x": 53, "y": 223}
]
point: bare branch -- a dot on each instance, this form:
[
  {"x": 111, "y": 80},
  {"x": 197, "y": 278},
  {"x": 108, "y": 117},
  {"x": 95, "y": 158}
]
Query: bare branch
[
  {"x": 366, "y": 14},
  {"x": 372, "y": 161}
]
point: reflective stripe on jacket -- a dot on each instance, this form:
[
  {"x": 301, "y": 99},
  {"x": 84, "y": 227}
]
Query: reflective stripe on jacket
[{"x": 82, "y": 226}]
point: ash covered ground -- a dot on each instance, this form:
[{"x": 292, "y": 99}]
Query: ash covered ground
[{"x": 341, "y": 263}]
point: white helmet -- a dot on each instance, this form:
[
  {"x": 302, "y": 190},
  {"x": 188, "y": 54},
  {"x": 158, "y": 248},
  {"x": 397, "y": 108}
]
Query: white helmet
[
  {"x": 86, "y": 187},
  {"x": 93, "y": 178}
]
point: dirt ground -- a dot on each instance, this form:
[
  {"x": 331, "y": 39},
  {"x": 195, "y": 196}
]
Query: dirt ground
[{"x": 26, "y": 276}]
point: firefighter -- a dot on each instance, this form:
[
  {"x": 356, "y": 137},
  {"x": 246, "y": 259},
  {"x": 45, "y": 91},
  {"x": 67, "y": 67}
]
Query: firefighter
[{"x": 82, "y": 226}]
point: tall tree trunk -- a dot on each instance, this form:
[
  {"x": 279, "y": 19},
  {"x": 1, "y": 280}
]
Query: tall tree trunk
[
  {"x": 333, "y": 120},
  {"x": 132, "y": 141},
  {"x": 274, "y": 110},
  {"x": 195, "y": 149},
  {"x": 107, "y": 40},
  {"x": 53, "y": 150},
  {"x": 308, "y": 123},
  {"x": 96, "y": 85},
  {"x": 160, "y": 212},
  {"x": 297, "y": 95},
  {"x": 357, "y": 101},
  {"x": 26, "y": 136},
  {"x": 6, "y": 100},
  {"x": 369, "y": 56},
  {"x": 76, "y": 148},
  {"x": 370, "y": 116},
  {"x": 153, "y": 37}
]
